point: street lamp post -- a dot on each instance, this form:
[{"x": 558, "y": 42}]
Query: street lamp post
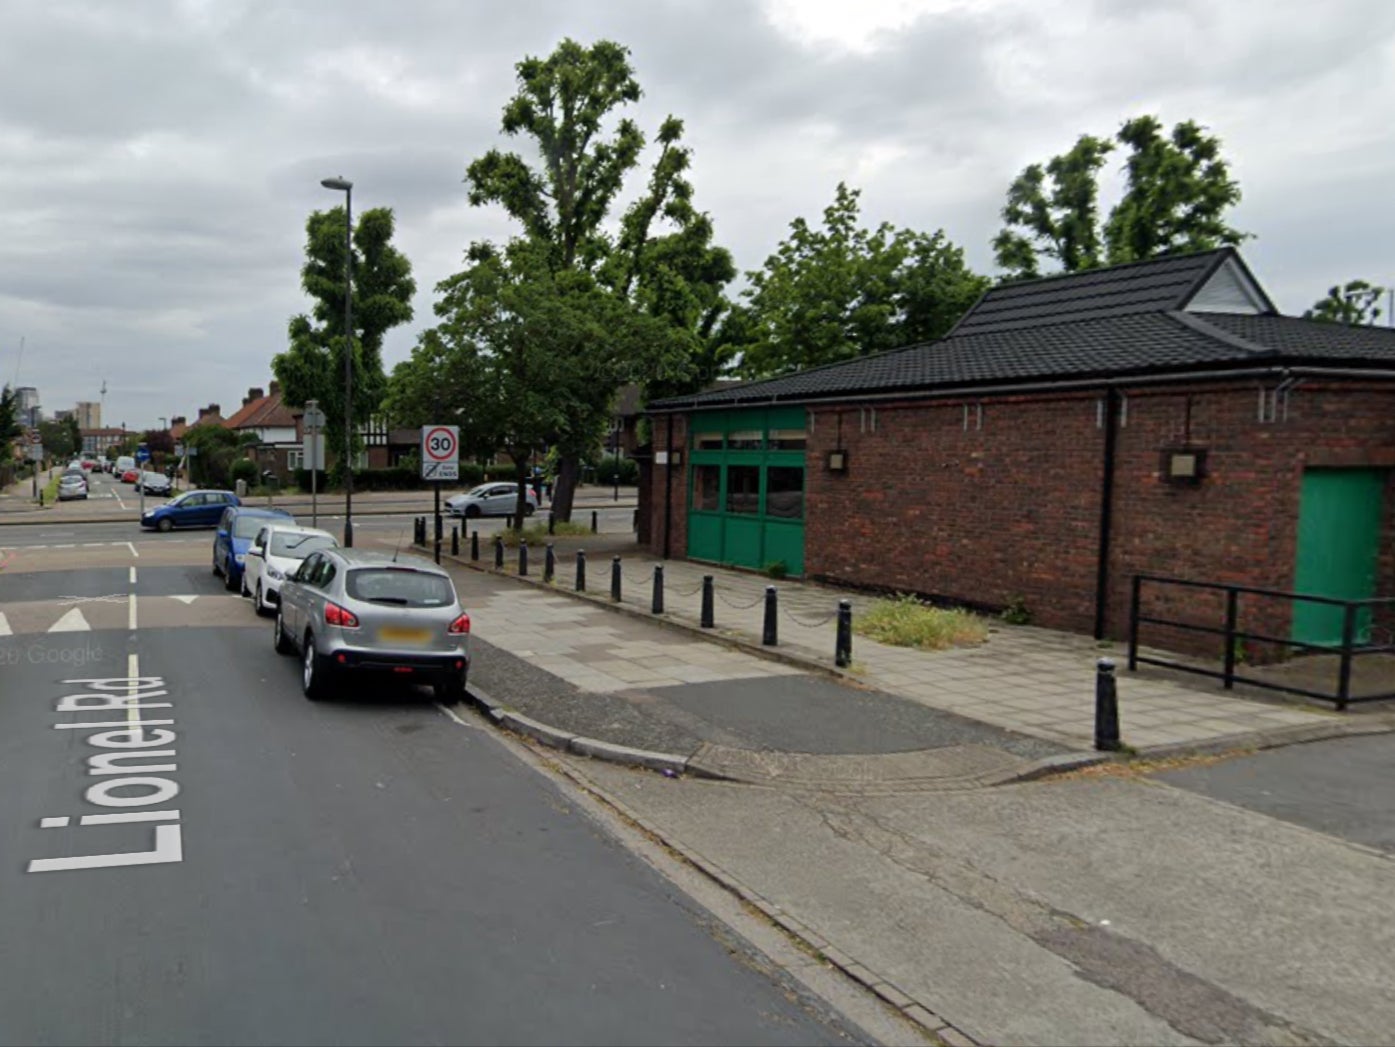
[{"x": 347, "y": 187}]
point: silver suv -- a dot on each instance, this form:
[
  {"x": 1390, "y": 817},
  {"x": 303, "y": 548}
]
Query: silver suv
[{"x": 350, "y": 611}]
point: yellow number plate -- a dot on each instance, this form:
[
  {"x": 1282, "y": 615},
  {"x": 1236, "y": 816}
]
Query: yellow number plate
[{"x": 393, "y": 634}]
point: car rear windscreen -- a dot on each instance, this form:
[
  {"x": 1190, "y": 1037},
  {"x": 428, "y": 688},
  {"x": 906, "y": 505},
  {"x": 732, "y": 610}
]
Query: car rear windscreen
[{"x": 402, "y": 586}]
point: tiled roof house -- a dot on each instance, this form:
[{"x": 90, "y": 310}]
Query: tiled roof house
[{"x": 1068, "y": 434}]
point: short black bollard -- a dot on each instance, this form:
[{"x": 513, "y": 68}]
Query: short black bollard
[
  {"x": 440, "y": 528},
  {"x": 549, "y": 563},
  {"x": 508, "y": 522},
  {"x": 522, "y": 558},
  {"x": 707, "y": 620},
  {"x": 474, "y": 545},
  {"x": 581, "y": 570},
  {"x": 770, "y": 633},
  {"x": 455, "y": 541},
  {"x": 1106, "y": 708},
  {"x": 656, "y": 606},
  {"x": 593, "y": 521},
  {"x": 437, "y": 545},
  {"x": 842, "y": 646},
  {"x": 551, "y": 522},
  {"x": 416, "y": 530},
  {"x": 499, "y": 551},
  {"x": 615, "y": 579}
]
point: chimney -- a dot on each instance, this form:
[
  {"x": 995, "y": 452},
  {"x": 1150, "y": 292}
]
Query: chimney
[
  {"x": 180, "y": 420},
  {"x": 275, "y": 388},
  {"x": 252, "y": 394}
]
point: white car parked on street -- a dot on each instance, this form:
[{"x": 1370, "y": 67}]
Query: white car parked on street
[
  {"x": 275, "y": 554},
  {"x": 491, "y": 499}
]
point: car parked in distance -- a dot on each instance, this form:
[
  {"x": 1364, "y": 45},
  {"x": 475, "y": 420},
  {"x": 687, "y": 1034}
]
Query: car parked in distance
[
  {"x": 492, "y": 499},
  {"x": 123, "y": 463},
  {"x": 237, "y": 527},
  {"x": 274, "y": 555},
  {"x": 354, "y": 612},
  {"x": 72, "y": 485},
  {"x": 190, "y": 509},
  {"x": 130, "y": 476},
  {"x": 154, "y": 483}
]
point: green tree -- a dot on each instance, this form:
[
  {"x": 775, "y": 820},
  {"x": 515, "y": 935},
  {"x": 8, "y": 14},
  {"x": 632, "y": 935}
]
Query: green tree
[
  {"x": 60, "y": 439},
  {"x": 312, "y": 368},
  {"x": 564, "y": 103},
  {"x": 1177, "y": 190},
  {"x": 10, "y": 427},
  {"x": 842, "y": 291},
  {"x": 1355, "y": 302},
  {"x": 212, "y": 450}
]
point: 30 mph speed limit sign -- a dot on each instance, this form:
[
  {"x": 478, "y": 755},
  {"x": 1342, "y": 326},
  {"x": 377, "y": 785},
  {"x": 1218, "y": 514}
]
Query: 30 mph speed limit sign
[{"x": 440, "y": 452}]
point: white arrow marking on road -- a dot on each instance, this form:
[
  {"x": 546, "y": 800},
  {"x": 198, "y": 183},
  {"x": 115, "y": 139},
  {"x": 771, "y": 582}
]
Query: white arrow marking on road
[
  {"x": 184, "y": 599},
  {"x": 72, "y": 622},
  {"x": 4, "y": 625}
]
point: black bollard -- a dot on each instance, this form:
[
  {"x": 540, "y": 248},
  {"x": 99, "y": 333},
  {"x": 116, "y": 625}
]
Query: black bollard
[
  {"x": 1106, "y": 708},
  {"x": 508, "y": 522},
  {"x": 549, "y": 563},
  {"x": 437, "y": 544},
  {"x": 522, "y": 558},
  {"x": 551, "y": 522},
  {"x": 581, "y": 570},
  {"x": 656, "y": 605},
  {"x": 770, "y": 633},
  {"x": 593, "y": 521},
  {"x": 708, "y": 619},
  {"x": 499, "y": 552},
  {"x": 455, "y": 541},
  {"x": 440, "y": 529},
  {"x": 416, "y": 530},
  {"x": 474, "y": 545},
  {"x": 615, "y": 579},
  {"x": 842, "y": 646}
]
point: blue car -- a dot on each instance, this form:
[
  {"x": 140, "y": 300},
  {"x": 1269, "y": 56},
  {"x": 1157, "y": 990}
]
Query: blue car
[
  {"x": 190, "y": 509},
  {"x": 236, "y": 528}
]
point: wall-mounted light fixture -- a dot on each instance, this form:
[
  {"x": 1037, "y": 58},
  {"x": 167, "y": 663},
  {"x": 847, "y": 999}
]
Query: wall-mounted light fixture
[
  {"x": 837, "y": 461},
  {"x": 1183, "y": 465}
]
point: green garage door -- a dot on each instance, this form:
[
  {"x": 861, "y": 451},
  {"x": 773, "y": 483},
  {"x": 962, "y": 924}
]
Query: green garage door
[{"x": 1339, "y": 523}]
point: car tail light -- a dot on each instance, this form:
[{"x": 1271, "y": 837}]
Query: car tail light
[
  {"x": 460, "y": 625},
  {"x": 336, "y": 615}
]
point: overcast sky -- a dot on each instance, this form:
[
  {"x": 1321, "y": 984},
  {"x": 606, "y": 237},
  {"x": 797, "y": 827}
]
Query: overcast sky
[{"x": 158, "y": 159}]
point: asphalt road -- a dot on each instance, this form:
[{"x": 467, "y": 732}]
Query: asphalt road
[
  {"x": 361, "y": 871},
  {"x": 1343, "y": 786}
]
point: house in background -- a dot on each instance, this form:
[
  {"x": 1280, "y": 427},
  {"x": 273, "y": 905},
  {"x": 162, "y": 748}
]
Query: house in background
[
  {"x": 1068, "y": 434},
  {"x": 265, "y": 416}
]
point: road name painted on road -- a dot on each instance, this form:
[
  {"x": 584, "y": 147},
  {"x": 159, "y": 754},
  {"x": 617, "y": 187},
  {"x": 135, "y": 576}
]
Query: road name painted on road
[{"x": 142, "y": 783}]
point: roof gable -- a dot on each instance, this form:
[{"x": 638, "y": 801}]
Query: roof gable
[{"x": 1231, "y": 288}]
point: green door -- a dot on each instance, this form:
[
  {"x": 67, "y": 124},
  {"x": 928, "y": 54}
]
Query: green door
[{"x": 1339, "y": 522}]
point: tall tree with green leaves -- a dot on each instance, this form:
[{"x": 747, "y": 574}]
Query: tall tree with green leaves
[
  {"x": 1355, "y": 302},
  {"x": 661, "y": 264},
  {"x": 10, "y": 427},
  {"x": 1177, "y": 191},
  {"x": 312, "y": 368},
  {"x": 841, "y": 290}
]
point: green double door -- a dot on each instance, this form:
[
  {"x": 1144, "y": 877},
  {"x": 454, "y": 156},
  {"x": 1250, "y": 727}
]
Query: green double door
[{"x": 1339, "y": 526}]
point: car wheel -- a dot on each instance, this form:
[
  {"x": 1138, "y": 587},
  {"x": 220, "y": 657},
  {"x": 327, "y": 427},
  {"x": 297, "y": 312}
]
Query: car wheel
[
  {"x": 246, "y": 592},
  {"x": 472, "y": 512},
  {"x": 279, "y": 639},
  {"x": 260, "y": 602},
  {"x": 228, "y": 581},
  {"x": 165, "y": 525},
  {"x": 313, "y": 671},
  {"x": 451, "y": 690}
]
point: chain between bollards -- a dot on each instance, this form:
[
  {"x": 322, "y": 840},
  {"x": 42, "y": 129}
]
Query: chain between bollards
[
  {"x": 549, "y": 563},
  {"x": 707, "y": 616},
  {"x": 615, "y": 579},
  {"x": 656, "y": 605},
  {"x": 842, "y": 646},
  {"x": 769, "y": 635},
  {"x": 581, "y": 570},
  {"x": 1106, "y": 708}
]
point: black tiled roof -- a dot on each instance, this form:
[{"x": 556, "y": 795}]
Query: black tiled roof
[
  {"x": 1156, "y": 285},
  {"x": 1107, "y": 323}
]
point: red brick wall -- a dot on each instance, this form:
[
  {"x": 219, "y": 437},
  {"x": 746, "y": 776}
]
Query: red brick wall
[
  {"x": 1011, "y": 510},
  {"x": 678, "y": 518}
]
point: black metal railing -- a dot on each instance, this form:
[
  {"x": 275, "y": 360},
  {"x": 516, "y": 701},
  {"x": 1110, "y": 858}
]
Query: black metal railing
[{"x": 1232, "y": 636}]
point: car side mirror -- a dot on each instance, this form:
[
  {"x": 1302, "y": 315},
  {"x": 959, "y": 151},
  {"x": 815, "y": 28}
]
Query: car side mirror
[
  {"x": 222, "y": 533},
  {"x": 256, "y": 550}
]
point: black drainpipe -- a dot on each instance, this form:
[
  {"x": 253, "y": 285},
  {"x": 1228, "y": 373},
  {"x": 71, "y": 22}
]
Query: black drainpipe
[
  {"x": 668, "y": 490},
  {"x": 1111, "y": 426}
]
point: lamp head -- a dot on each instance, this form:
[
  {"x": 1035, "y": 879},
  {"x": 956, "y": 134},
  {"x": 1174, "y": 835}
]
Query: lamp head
[{"x": 342, "y": 184}]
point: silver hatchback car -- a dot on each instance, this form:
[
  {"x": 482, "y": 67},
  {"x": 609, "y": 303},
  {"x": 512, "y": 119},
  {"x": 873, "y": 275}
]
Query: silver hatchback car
[{"x": 348, "y": 611}]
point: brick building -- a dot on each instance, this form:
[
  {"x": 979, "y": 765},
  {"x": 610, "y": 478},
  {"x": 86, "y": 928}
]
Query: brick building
[{"x": 1069, "y": 433}]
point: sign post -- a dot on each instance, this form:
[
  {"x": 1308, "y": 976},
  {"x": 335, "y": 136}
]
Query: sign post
[
  {"x": 440, "y": 461},
  {"x": 36, "y": 455},
  {"x": 314, "y": 454},
  {"x": 142, "y": 457}
]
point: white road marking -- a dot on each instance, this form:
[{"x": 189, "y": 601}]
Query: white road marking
[
  {"x": 116, "y": 493},
  {"x": 132, "y": 547},
  {"x": 133, "y": 575},
  {"x": 131, "y": 614},
  {"x": 72, "y": 622},
  {"x": 4, "y": 625},
  {"x": 186, "y": 600}
]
